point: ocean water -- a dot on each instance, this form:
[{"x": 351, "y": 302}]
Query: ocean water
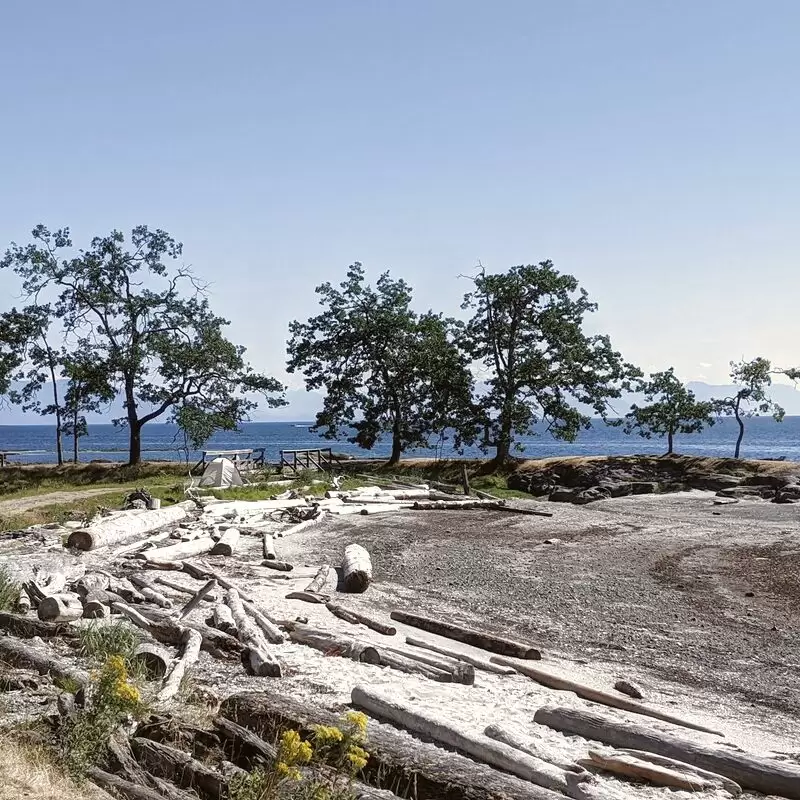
[{"x": 764, "y": 438}]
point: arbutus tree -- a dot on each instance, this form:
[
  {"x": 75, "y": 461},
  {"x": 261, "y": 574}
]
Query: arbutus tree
[
  {"x": 149, "y": 326},
  {"x": 385, "y": 369},
  {"x": 527, "y": 333}
]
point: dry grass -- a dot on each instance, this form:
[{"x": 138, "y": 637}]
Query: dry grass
[{"x": 27, "y": 771}]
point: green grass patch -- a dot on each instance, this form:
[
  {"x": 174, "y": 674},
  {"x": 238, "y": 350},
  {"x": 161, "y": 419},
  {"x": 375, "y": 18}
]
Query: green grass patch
[
  {"x": 99, "y": 641},
  {"x": 9, "y": 590}
]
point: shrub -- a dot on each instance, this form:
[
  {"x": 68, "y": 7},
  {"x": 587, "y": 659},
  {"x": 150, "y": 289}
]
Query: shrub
[
  {"x": 100, "y": 642},
  {"x": 9, "y": 590}
]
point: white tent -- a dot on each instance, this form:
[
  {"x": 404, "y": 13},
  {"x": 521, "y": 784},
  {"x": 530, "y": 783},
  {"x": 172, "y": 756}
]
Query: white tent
[{"x": 221, "y": 473}]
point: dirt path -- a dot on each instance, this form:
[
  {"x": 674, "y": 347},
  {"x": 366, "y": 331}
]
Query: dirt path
[{"x": 22, "y": 504}]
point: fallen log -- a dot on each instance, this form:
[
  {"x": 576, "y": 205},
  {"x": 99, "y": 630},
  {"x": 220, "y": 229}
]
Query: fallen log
[
  {"x": 153, "y": 659},
  {"x": 42, "y": 659},
  {"x": 227, "y": 543},
  {"x": 244, "y": 747},
  {"x": 335, "y": 644},
  {"x": 479, "y": 663},
  {"x": 221, "y": 619},
  {"x": 116, "y": 785},
  {"x": 176, "y": 552},
  {"x": 283, "y": 566},
  {"x": 268, "y": 544},
  {"x": 60, "y": 607},
  {"x": 144, "y": 544},
  {"x": 97, "y": 605},
  {"x": 486, "y": 641},
  {"x": 301, "y": 526},
  {"x": 765, "y": 775},
  {"x": 496, "y": 754},
  {"x": 27, "y": 628},
  {"x": 309, "y": 597},
  {"x": 198, "y": 597},
  {"x": 413, "y": 768},
  {"x": 92, "y": 582},
  {"x": 453, "y": 505},
  {"x": 191, "y": 652},
  {"x": 356, "y": 568},
  {"x": 270, "y": 630},
  {"x": 149, "y": 592},
  {"x": 547, "y": 678},
  {"x": 256, "y": 658},
  {"x": 357, "y": 617},
  {"x": 320, "y": 579},
  {"x": 174, "y": 765},
  {"x": 203, "y": 573},
  {"x": 527, "y": 744},
  {"x": 211, "y": 597},
  {"x": 117, "y": 529},
  {"x": 126, "y": 590},
  {"x": 434, "y": 668}
]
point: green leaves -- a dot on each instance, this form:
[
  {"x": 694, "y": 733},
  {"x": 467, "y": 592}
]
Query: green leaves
[{"x": 384, "y": 368}]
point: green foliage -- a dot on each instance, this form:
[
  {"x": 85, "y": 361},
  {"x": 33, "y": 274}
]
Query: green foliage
[
  {"x": 113, "y": 700},
  {"x": 147, "y": 331},
  {"x": 384, "y": 368},
  {"x": 751, "y": 400},
  {"x": 527, "y": 333},
  {"x": 9, "y": 590},
  {"x": 670, "y": 408},
  {"x": 100, "y": 641}
]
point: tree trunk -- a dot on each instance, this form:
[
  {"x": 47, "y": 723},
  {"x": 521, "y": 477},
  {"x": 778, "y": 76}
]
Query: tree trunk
[
  {"x": 75, "y": 436},
  {"x": 397, "y": 449},
  {"x": 135, "y": 451},
  {"x": 669, "y": 442},
  {"x": 740, "y": 421}
]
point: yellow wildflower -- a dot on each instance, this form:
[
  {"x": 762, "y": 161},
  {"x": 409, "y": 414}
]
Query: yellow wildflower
[
  {"x": 126, "y": 692},
  {"x": 357, "y": 757},
  {"x": 357, "y": 720},
  {"x": 294, "y": 750},
  {"x": 327, "y": 734}
]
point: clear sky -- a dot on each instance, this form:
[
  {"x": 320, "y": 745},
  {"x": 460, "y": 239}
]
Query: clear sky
[{"x": 650, "y": 148}]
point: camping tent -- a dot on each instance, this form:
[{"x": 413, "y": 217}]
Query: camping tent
[{"x": 221, "y": 473}]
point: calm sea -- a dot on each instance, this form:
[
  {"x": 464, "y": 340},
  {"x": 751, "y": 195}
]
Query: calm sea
[{"x": 764, "y": 438}]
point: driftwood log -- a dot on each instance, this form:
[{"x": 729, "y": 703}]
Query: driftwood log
[
  {"x": 211, "y": 597},
  {"x": 335, "y": 644},
  {"x": 149, "y": 592},
  {"x": 528, "y": 744},
  {"x": 97, "y": 604},
  {"x": 459, "y": 671},
  {"x": 41, "y": 658},
  {"x": 268, "y": 544},
  {"x": 496, "y": 754},
  {"x": 198, "y": 597},
  {"x": 119, "y": 528},
  {"x": 121, "y": 787},
  {"x": 154, "y": 659},
  {"x": 204, "y": 573},
  {"x": 256, "y": 658},
  {"x": 413, "y": 768},
  {"x": 191, "y": 652},
  {"x": 176, "y": 552},
  {"x": 92, "y": 582},
  {"x": 222, "y": 619},
  {"x": 477, "y": 662},
  {"x": 27, "y": 628},
  {"x": 60, "y": 607},
  {"x": 356, "y": 568},
  {"x": 244, "y": 747},
  {"x": 554, "y": 681},
  {"x": 227, "y": 543},
  {"x": 358, "y": 617},
  {"x": 283, "y": 566},
  {"x": 486, "y": 641},
  {"x": 270, "y": 630},
  {"x": 765, "y": 775}
]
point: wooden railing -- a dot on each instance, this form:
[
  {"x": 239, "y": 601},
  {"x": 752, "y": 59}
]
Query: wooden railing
[{"x": 320, "y": 459}]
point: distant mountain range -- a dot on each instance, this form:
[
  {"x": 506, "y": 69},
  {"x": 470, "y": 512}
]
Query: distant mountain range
[{"x": 304, "y": 405}]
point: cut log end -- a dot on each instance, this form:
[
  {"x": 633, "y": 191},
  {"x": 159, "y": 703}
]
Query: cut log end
[{"x": 80, "y": 540}]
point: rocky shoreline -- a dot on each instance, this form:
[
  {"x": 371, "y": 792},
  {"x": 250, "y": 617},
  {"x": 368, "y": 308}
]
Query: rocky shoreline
[{"x": 586, "y": 480}]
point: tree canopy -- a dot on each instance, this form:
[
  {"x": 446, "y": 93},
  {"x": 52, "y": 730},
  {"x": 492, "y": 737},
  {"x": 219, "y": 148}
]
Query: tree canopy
[
  {"x": 527, "y": 333},
  {"x": 670, "y": 408},
  {"x": 148, "y": 327},
  {"x": 384, "y": 368}
]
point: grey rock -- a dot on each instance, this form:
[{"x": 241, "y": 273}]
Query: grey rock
[{"x": 629, "y": 688}]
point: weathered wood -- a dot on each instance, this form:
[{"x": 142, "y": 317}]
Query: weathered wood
[
  {"x": 149, "y": 592},
  {"x": 268, "y": 544},
  {"x": 176, "y": 552},
  {"x": 309, "y": 597},
  {"x": 257, "y": 659},
  {"x": 198, "y": 597},
  {"x": 480, "y": 663},
  {"x": 211, "y": 597},
  {"x": 41, "y": 658},
  {"x": 359, "y": 617},
  {"x": 486, "y": 641},
  {"x": 485, "y": 495},
  {"x": 203, "y": 573},
  {"x": 49, "y": 583},
  {"x": 320, "y": 580},
  {"x": 97, "y": 605},
  {"x": 356, "y": 568},
  {"x": 27, "y": 628},
  {"x": 283, "y": 566},
  {"x": 227, "y": 543},
  {"x": 304, "y": 525},
  {"x": 496, "y": 754},
  {"x": 144, "y": 544},
  {"x": 60, "y": 607},
  {"x": 453, "y": 505},
  {"x": 245, "y": 748},
  {"x": 117, "y": 529},
  {"x": 127, "y": 789},
  {"x": 126, "y": 590},
  {"x": 191, "y": 652},
  {"x": 175, "y": 765},
  {"x": 460, "y": 671},
  {"x": 335, "y": 644},
  {"x": 411, "y": 767},
  {"x": 269, "y": 628},
  {"x": 554, "y": 681},
  {"x": 153, "y": 658},
  {"x": 222, "y": 619},
  {"x": 529, "y": 745},
  {"x": 412, "y": 666},
  {"x": 92, "y": 582},
  {"x": 465, "y": 480},
  {"x": 765, "y": 775},
  {"x": 631, "y": 767}
]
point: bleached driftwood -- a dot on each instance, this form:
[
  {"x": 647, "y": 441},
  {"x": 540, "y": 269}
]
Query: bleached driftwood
[
  {"x": 202, "y": 573},
  {"x": 119, "y": 786},
  {"x": 237, "y": 509},
  {"x": 174, "y": 765},
  {"x": 765, "y": 775},
  {"x": 301, "y": 526},
  {"x": 356, "y": 568},
  {"x": 176, "y": 552},
  {"x": 41, "y": 658},
  {"x": 227, "y": 543},
  {"x": 144, "y": 544},
  {"x": 198, "y": 597},
  {"x": 27, "y": 628},
  {"x": 116, "y": 529},
  {"x": 477, "y": 638},
  {"x": 60, "y": 607},
  {"x": 191, "y": 652},
  {"x": 270, "y": 630},
  {"x": 362, "y": 619},
  {"x": 268, "y": 543},
  {"x": 496, "y": 754},
  {"x": 527, "y": 744},
  {"x": 97, "y": 604},
  {"x": 154, "y": 658},
  {"x": 335, "y": 644},
  {"x": 320, "y": 580},
  {"x": 149, "y": 592},
  {"x": 211, "y": 597},
  {"x": 222, "y": 619},
  {"x": 554, "y": 681},
  {"x": 256, "y": 659},
  {"x": 434, "y": 668},
  {"x": 281, "y": 566},
  {"x": 479, "y": 663}
]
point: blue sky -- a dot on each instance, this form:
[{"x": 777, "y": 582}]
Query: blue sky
[{"x": 650, "y": 148}]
